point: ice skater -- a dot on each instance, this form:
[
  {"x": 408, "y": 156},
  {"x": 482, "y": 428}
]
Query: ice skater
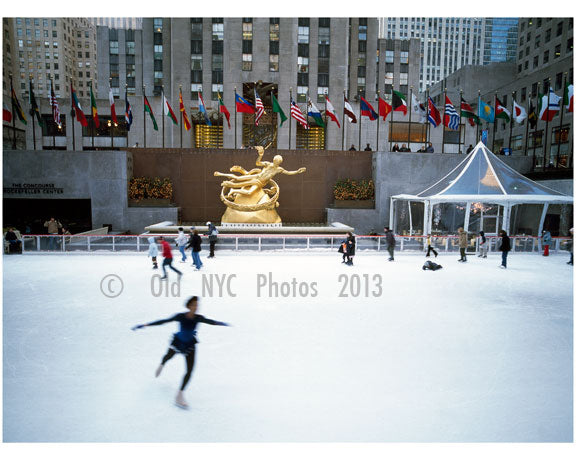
[
  {"x": 167, "y": 254},
  {"x": 350, "y": 248},
  {"x": 463, "y": 243},
  {"x": 390, "y": 243},
  {"x": 430, "y": 247},
  {"x": 504, "y": 247},
  {"x": 212, "y": 237},
  {"x": 482, "y": 245},
  {"x": 153, "y": 251},
  {"x": 181, "y": 241},
  {"x": 546, "y": 242},
  {"x": 196, "y": 243},
  {"x": 183, "y": 342}
]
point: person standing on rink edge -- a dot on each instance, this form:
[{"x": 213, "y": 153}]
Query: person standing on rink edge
[
  {"x": 350, "y": 248},
  {"x": 504, "y": 247},
  {"x": 482, "y": 246},
  {"x": 212, "y": 237},
  {"x": 183, "y": 342},
  {"x": 153, "y": 251},
  {"x": 463, "y": 243},
  {"x": 167, "y": 254},
  {"x": 390, "y": 243},
  {"x": 181, "y": 241}
]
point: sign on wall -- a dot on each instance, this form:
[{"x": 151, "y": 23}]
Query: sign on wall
[{"x": 33, "y": 189}]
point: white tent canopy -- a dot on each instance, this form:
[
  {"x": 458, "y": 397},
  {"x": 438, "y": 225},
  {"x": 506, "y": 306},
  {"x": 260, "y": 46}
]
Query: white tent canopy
[{"x": 483, "y": 178}]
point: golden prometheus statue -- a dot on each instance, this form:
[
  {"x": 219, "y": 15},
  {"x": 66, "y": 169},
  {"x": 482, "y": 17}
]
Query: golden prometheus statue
[{"x": 252, "y": 196}]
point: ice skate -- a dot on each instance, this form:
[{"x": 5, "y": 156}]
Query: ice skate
[
  {"x": 159, "y": 370},
  {"x": 180, "y": 401}
]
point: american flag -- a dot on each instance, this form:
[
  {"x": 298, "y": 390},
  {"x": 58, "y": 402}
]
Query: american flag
[
  {"x": 54, "y": 104},
  {"x": 297, "y": 114},
  {"x": 259, "y": 107}
]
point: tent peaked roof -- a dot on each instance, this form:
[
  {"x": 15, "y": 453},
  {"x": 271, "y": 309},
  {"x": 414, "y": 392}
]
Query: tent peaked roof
[{"x": 483, "y": 174}]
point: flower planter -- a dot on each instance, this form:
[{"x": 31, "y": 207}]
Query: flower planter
[
  {"x": 150, "y": 202},
  {"x": 354, "y": 204}
]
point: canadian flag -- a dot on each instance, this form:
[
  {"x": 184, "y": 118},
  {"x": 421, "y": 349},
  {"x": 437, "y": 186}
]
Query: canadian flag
[{"x": 519, "y": 113}]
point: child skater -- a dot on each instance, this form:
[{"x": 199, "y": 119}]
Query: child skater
[
  {"x": 183, "y": 342},
  {"x": 153, "y": 251}
]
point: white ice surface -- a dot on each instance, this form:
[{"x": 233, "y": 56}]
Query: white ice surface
[{"x": 470, "y": 353}]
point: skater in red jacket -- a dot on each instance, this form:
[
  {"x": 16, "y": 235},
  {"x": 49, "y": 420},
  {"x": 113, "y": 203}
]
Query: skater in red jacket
[{"x": 167, "y": 254}]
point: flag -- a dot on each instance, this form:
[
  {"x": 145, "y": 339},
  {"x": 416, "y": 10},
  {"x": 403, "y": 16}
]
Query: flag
[
  {"x": 418, "y": 109},
  {"x": 349, "y": 112},
  {"x": 167, "y": 110},
  {"x": 185, "y": 120},
  {"x": 277, "y": 109},
  {"x": 383, "y": 108},
  {"x": 222, "y": 109},
  {"x": 202, "y": 109},
  {"x": 550, "y": 106},
  {"x": 569, "y": 98},
  {"x": 519, "y": 112},
  {"x": 501, "y": 111},
  {"x": 6, "y": 113},
  {"x": 367, "y": 110},
  {"x": 128, "y": 112},
  {"x": 467, "y": 112},
  {"x": 243, "y": 106},
  {"x": 451, "y": 117},
  {"x": 485, "y": 111},
  {"x": 16, "y": 108},
  {"x": 148, "y": 108},
  {"x": 331, "y": 112},
  {"x": 259, "y": 108},
  {"x": 112, "y": 107},
  {"x": 315, "y": 113},
  {"x": 296, "y": 113},
  {"x": 532, "y": 117},
  {"x": 94, "y": 108},
  {"x": 433, "y": 114},
  {"x": 34, "y": 110},
  {"x": 54, "y": 104},
  {"x": 76, "y": 108},
  {"x": 399, "y": 102}
]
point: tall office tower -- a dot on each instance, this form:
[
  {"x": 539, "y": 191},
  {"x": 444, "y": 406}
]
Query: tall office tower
[
  {"x": 446, "y": 44},
  {"x": 118, "y": 23},
  {"x": 57, "y": 49},
  {"x": 501, "y": 40}
]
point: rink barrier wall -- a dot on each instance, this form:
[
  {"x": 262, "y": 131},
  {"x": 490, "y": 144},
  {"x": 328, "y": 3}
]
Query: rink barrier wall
[{"x": 33, "y": 244}]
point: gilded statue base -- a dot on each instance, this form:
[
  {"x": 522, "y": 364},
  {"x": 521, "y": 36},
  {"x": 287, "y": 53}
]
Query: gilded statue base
[{"x": 261, "y": 216}]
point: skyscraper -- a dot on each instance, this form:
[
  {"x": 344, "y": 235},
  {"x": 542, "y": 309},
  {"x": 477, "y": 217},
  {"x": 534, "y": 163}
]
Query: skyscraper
[{"x": 501, "y": 40}]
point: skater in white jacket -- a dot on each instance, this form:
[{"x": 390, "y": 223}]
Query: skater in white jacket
[
  {"x": 153, "y": 251},
  {"x": 181, "y": 241}
]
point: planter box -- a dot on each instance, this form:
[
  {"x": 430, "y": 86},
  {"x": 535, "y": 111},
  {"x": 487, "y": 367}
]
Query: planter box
[
  {"x": 354, "y": 204},
  {"x": 150, "y": 202}
]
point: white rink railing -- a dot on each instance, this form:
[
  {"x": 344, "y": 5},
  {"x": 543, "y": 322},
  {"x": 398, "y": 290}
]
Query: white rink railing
[{"x": 267, "y": 242}]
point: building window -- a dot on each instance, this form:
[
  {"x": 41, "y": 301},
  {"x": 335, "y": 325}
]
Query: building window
[
  {"x": 322, "y": 92},
  {"x": 535, "y": 62},
  {"x": 390, "y": 57},
  {"x": 158, "y": 25},
  {"x": 131, "y": 48},
  {"x": 217, "y": 31},
  {"x": 246, "y": 62},
  {"x": 304, "y": 35},
  {"x": 301, "y": 94},
  {"x": 274, "y": 65},
  {"x": 559, "y": 28},
  {"x": 523, "y": 94},
  {"x": 389, "y": 78},
  {"x": 546, "y": 57},
  {"x": 274, "y": 29},
  {"x": 557, "y": 51},
  {"x": 548, "y": 35},
  {"x": 158, "y": 51},
  {"x": 196, "y": 62},
  {"x": 324, "y": 35},
  {"x": 558, "y": 83},
  {"x": 217, "y": 89},
  {"x": 195, "y": 89},
  {"x": 247, "y": 29},
  {"x": 302, "y": 64}
]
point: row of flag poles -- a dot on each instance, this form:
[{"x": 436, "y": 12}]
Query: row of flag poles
[{"x": 548, "y": 105}]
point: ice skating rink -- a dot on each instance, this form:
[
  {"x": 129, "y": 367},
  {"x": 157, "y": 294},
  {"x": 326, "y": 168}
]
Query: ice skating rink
[{"x": 471, "y": 353}]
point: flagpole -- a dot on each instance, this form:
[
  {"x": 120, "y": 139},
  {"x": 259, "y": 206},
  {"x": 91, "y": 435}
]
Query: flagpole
[
  {"x": 163, "y": 115},
  {"x": 325, "y": 120},
  {"x": 72, "y": 115},
  {"x": 546, "y": 133},
  {"x": 144, "y": 106},
  {"x": 444, "y": 123},
  {"x": 512, "y": 121},
  {"x": 111, "y": 122},
  {"x": 478, "y": 125},
  {"x": 307, "y": 120},
  {"x": 410, "y": 117},
  {"x": 360, "y": 129},
  {"x": 290, "y": 123},
  {"x": 460, "y": 126},
  {"x": 378, "y": 122},
  {"x": 181, "y": 116},
  {"x": 32, "y": 113},
  {"x": 537, "y": 114},
  {"x": 391, "y": 130},
  {"x": 343, "y": 116},
  {"x": 527, "y": 124},
  {"x": 235, "y": 122},
  {"x": 254, "y": 132},
  {"x": 427, "y": 120},
  {"x": 494, "y": 129},
  {"x": 52, "y": 104},
  {"x": 561, "y": 121}
]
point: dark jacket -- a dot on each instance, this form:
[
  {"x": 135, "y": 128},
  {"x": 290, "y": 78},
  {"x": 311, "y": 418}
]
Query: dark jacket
[
  {"x": 195, "y": 243},
  {"x": 390, "y": 240},
  {"x": 505, "y": 244},
  {"x": 351, "y": 245}
]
